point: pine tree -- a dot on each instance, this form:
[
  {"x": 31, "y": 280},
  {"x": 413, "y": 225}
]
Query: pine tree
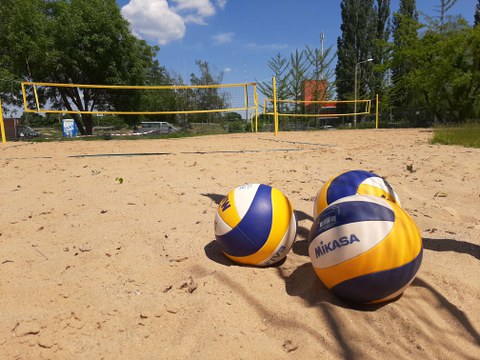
[
  {"x": 320, "y": 63},
  {"x": 320, "y": 66},
  {"x": 298, "y": 74},
  {"x": 280, "y": 67},
  {"x": 356, "y": 44}
]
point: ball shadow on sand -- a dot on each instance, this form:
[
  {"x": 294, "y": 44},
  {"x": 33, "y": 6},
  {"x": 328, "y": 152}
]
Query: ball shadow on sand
[
  {"x": 215, "y": 253},
  {"x": 301, "y": 215},
  {"x": 216, "y": 198},
  {"x": 300, "y": 247},
  {"x": 304, "y": 283}
]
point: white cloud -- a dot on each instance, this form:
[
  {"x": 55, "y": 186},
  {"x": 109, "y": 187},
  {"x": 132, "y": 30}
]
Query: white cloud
[
  {"x": 223, "y": 38},
  {"x": 157, "y": 21},
  {"x": 154, "y": 20},
  {"x": 227, "y": 70},
  {"x": 194, "y": 11}
]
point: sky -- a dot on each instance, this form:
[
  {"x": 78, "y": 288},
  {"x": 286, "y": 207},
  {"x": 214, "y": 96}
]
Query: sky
[{"x": 239, "y": 37}]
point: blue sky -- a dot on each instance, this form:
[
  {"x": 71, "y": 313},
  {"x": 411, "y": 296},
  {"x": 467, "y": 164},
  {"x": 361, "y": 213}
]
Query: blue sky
[{"x": 238, "y": 37}]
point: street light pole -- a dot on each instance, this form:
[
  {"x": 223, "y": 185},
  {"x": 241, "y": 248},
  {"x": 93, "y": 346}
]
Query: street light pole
[{"x": 355, "y": 90}]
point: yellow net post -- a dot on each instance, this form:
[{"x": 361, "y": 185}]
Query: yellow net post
[
  {"x": 275, "y": 112},
  {"x": 255, "y": 99},
  {"x": 24, "y": 94},
  {"x": 376, "y": 113},
  {"x": 2, "y": 124},
  {"x": 37, "y": 102},
  {"x": 245, "y": 94}
]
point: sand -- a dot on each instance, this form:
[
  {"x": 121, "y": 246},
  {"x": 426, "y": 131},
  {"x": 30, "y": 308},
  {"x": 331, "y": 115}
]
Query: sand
[{"x": 95, "y": 268}]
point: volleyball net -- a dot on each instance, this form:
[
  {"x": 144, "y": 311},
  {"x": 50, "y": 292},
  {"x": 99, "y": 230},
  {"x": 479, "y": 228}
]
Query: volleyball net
[
  {"x": 141, "y": 100},
  {"x": 289, "y": 113},
  {"x": 207, "y": 103},
  {"x": 317, "y": 108}
]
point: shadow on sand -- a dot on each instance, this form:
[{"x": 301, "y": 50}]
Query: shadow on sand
[{"x": 457, "y": 246}]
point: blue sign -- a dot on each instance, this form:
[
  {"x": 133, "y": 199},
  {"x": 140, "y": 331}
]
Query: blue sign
[{"x": 69, "y": 128}]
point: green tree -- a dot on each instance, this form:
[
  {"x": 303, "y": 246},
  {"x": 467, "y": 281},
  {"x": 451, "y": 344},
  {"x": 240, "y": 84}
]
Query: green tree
[
  {"x": 33, "y": 119},
  {"x": 232, "y": 116},
  {"x": 159, "y": 100},
  {"x": 320, "y": 71},
  {"x": 405, "y": 39},
  {"x": 355, "y": 44},
  {"x": 233, "y": 122},
  {"x": 298, "y": 74},
  {"x": 320, "y": 67},
  {"x": 380, "y": 50},
  {"x": 280, "y": 67},
  {"x": 22, "y": 44},
  {"x": 208, "y": 98},
  {"x": 446, "y": 71},
  {"x": 477, "y": 14},
  {"x": 75, "y": 41},
  {"x": 442, "y": 9}
]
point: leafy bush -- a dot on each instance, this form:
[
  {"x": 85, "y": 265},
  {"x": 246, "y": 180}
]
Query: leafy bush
[
  {"x": 109, "y": 120},
  {"x": 236, "y": 126},
  {"x": 37, "y": 121}
]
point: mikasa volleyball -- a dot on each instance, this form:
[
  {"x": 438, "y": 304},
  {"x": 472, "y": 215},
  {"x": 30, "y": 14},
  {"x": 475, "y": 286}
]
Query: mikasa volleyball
[
  {"x": 351, "y": 183},
  {"x": 255, "y": 224},
  {"x": 365, "y": 249}
]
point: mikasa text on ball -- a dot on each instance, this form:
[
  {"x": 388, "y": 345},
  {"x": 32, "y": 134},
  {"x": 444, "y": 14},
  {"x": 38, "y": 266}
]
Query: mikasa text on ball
[
  {"x": 255, "y": 224},
  {"x": 365, "y": 249},
  {"x": 351, "y": 183}
]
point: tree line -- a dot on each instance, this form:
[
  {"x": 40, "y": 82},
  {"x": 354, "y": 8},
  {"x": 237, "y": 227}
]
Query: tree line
[
  {"x": 424, "y": 72},
  {"x": 87, "y": 42}
]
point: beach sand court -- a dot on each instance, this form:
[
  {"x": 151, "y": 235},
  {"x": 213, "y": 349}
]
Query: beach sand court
[{"x": 107, "y": 250}]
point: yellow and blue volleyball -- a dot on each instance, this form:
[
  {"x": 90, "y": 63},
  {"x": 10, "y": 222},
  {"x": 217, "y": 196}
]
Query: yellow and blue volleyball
[
  {"x": 351, "y": 183},
  {"x": 365, "y": 249},
  {"x": 255, "y": 224}
]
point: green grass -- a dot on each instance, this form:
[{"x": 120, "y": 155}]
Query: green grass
[{"x": 467, "y": 135}]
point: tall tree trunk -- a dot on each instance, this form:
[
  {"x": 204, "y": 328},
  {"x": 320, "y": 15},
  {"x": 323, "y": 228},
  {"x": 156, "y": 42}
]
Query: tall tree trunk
[{"x": 88, "y": 123}]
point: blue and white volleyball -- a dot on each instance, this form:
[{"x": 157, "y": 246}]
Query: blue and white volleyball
[
  {"x": 255, "y": 224},
  {"x": 365, "y": 249},
  {"x": 351, "y": 183}
]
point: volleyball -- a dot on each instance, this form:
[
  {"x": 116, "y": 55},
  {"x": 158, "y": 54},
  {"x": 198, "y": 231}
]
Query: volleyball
[
  {"x": 365, "y": 249},
  {"x": 351, "y": 183},
  {"x": 255, "y": 225}
]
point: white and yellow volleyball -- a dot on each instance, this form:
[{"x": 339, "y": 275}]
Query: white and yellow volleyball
[
  {"x": 365, "y": 249},
  {"x": 255, "y": 224},
  {"x": 350, "y": 183}
]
